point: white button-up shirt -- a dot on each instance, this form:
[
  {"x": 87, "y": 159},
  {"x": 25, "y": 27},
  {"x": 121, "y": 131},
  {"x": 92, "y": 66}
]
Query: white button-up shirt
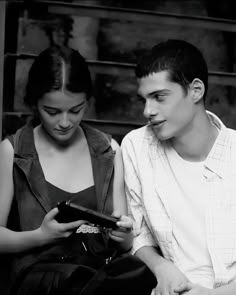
[{"x": 149, "y": 181}]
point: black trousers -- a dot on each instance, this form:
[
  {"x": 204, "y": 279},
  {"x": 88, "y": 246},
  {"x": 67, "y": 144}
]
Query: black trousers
[{"x": 70, "y": 279}]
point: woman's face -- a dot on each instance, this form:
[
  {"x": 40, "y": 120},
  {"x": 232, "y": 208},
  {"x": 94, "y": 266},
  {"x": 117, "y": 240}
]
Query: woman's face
[{"x": 61, "y": 113}]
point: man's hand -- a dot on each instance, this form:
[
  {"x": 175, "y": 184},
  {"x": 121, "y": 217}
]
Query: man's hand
[
  {"x": 192, "y": 289},
  {"x": 169, "y": 277}
]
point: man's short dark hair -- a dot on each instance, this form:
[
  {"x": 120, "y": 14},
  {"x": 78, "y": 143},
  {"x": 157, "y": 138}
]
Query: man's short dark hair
[{"x": 183, "y": 61}]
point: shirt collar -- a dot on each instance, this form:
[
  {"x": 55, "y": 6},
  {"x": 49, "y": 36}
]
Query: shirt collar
[{"x": 218, "y": 157}]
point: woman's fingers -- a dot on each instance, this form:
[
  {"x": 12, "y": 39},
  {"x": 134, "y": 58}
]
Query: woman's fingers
[
  {"x": 72, "y": 225},
  {"x": 52, "y": 214}
]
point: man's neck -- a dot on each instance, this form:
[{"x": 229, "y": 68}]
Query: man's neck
[{"x": 195, "y": 145}]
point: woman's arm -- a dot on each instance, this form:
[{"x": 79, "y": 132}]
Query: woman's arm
[
  {"x": 6, "y": 180},
  {"x": 123, "y": 235},
  {"x": 11, "y": 241},
  {"x": 119, "y": 199}
]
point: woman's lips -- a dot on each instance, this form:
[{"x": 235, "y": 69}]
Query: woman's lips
[{"x": 63, "y": 131}]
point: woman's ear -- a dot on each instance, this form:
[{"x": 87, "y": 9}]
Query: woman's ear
[
  {"x": 198, "y": 90},
  {"x": 34, "y": 110},
  {"x": 90, "y": 111}
]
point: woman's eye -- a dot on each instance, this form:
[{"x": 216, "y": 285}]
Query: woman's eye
[
  {"x": 75, "y": 111},
  {"x": 52, "y": 113}
]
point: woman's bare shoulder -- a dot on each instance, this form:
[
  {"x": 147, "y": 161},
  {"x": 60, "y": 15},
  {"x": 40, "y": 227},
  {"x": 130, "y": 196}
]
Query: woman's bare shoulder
[{"x": 6, "y": 150}]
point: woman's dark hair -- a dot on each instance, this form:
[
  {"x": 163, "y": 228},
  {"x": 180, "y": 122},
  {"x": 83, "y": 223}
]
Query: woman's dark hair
[
  {"x": 57, "y": 68},
  {"x": 182, "y": 60}
]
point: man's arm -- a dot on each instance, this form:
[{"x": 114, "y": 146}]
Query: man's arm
[
  {"x": 133, "y": 191},
  {"x": 144, "y": 246},
  {"x": 194, "y": 289},
  {"x": 229, "y": 289},
  {"x": 167, "y": 274}
]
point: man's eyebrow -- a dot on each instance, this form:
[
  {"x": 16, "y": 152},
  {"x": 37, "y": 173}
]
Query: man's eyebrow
[{"x": 161, "y": 91}]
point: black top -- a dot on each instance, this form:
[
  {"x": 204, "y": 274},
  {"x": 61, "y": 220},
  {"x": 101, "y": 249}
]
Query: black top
[{"x": 85, "y": 198}]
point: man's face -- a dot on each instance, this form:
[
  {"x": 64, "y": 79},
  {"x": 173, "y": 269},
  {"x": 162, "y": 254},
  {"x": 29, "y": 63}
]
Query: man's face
[{"x": 169, "y": 109}]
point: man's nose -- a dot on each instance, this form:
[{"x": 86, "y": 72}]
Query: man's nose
[{"x": 150, "y": 109}]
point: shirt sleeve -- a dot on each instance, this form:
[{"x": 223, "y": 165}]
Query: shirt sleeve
[{"x": 142, "y": 234}]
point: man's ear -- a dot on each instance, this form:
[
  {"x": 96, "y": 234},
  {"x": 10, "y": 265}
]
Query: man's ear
[{"x": 198, "y": 89}]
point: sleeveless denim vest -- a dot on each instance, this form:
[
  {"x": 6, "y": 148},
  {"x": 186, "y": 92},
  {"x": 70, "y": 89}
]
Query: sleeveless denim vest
[{"x": 31, "y": 200}]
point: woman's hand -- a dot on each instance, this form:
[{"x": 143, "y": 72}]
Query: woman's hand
[
  {"x": 123, "y": 233},
  {"x": 51, "y": 230}
]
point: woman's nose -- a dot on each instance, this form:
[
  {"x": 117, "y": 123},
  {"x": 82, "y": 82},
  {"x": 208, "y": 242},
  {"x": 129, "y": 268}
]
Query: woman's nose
[{"x": 64, "y": 121}]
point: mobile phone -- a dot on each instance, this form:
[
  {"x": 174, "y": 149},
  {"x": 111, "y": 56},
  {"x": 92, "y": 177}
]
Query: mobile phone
[{"x": 69, "y": 211}]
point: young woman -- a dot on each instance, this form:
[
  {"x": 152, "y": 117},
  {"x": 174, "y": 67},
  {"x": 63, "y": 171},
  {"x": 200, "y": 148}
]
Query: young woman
[{"x": 55, "y": 158}]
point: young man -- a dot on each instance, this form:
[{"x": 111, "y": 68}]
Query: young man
[{"x": 180, "y": 172}]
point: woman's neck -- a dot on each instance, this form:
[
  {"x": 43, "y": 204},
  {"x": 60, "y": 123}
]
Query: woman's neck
[{"x": 46, "y": 141}]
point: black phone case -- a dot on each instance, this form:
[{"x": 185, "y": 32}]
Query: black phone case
[{"x": 69, "y": 211}]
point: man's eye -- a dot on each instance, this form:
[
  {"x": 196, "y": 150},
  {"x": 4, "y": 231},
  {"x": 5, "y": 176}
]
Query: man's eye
[
  {"x": 160, "y": 97},
  {"x": 141, "y": 99}
]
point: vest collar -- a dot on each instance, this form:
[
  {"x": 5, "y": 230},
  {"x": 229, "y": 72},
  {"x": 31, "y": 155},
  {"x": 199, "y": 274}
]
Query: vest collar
[
  {"x": 102, "y": 156},
  {"x": 98, "y": 142}
]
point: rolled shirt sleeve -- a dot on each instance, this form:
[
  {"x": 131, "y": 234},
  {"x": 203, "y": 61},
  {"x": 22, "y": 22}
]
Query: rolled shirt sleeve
[{"x": 133, "y": 188}]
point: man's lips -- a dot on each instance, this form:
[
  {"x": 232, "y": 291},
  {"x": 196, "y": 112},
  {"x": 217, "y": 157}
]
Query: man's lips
[{"x": 156, "y": 123}]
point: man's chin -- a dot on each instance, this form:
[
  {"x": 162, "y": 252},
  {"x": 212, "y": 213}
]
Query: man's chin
[{"x": 161, "y": 135}]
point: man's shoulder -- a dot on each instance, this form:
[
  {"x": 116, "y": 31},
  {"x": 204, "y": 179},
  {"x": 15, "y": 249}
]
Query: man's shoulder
[
  {"x": 140, "y": 141},
  {"x": 136, "y": 133},
  {"x": 232, "y": 132},
  {"x": 138, "y": 137}
]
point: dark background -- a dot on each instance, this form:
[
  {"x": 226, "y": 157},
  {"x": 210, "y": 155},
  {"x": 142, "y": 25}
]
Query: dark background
[{"x": 111, "y": 35}]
